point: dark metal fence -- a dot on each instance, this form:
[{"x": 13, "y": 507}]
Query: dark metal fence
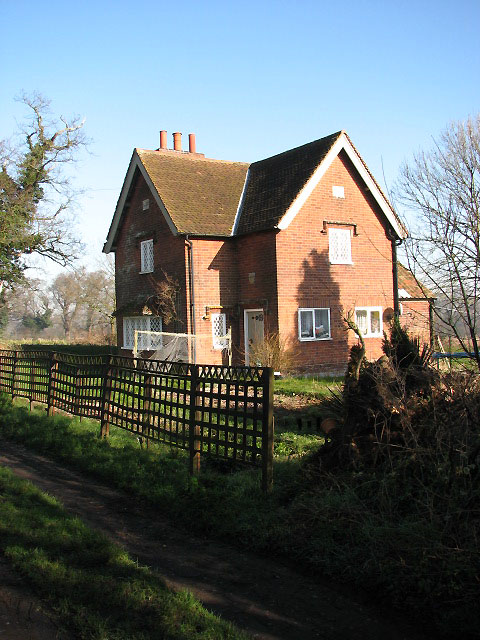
[{"x": 223, "y": 412}]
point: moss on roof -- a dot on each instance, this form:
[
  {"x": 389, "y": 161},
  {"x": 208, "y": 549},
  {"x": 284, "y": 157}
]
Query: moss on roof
[{"x": 201, "y": 195}]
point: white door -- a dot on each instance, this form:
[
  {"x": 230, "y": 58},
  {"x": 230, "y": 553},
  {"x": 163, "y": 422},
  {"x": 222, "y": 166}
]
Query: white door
[{"x": 254, "y": 332}]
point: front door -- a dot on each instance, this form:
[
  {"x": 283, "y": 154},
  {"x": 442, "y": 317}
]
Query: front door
[{"x": 254, "y": 333}]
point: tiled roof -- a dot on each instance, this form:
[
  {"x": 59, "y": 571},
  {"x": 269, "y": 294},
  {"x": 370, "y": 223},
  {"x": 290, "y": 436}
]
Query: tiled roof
[
  {"x": 406, "y": 280},
  {"x": 200, "y": 195},
  {"x": 274, "y": 183}
]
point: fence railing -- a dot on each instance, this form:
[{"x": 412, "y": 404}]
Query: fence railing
[{"x": 219, "y": 411}]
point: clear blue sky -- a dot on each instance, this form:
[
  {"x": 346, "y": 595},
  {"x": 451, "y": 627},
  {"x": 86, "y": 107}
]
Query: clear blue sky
[{"x": 251, "y": 79}]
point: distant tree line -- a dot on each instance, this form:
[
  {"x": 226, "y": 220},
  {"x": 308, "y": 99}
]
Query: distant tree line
[{"x": 76, "y": 306}]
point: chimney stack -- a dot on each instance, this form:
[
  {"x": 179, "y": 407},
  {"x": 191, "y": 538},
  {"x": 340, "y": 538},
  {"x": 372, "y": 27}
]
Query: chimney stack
[
  {"x": 177, "y": 141},
  {"x": 191, "y": 143},
  {"x": 163, "y": 139}
]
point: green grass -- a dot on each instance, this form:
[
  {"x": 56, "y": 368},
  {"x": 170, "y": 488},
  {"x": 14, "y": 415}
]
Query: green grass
[
  {"x": 315, "y": 387},
  {"x": 365, "y": 530},
  {"x": 291, "y": 443},
  {"x": 94, "y": 587}
]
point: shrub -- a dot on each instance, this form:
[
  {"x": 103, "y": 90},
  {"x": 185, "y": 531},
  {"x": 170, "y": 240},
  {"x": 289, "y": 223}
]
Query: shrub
[
  {"x": 275, "y": 352},
  {"x": 407, "y": 447}
]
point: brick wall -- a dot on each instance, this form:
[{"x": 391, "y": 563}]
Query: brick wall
[
  {"x": 215, "y": 291},
  {"x": 415, "y": 317},
  {"x": 257, "y": 282},
  {"x": 307, "y": 279},
  {"x": 133, "y": 287}
]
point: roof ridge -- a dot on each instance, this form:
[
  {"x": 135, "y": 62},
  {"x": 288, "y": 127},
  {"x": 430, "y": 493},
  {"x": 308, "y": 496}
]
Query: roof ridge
[
  {"x": 190, "y": 156},
  {"x": 307, "y": 144}
]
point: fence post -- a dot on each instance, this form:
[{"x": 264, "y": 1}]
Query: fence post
[
  {"x": 267, "y": 430},
  {"x": 14, "y": 371},
  {"x": 51, "y": 384},
  {"x": 145, "y": 415},
  {"x": 106, "y": 389},
  {"x": 31, "y": 382},
  {"x": 193, "y": 427}
]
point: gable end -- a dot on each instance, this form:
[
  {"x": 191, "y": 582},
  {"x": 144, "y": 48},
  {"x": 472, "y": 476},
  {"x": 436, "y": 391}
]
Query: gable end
[{"x": 135, "y": 164}]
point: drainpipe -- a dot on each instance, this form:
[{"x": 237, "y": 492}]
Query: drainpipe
[
  {"x": 396, "y": 303},
  {"x": 192, "y": 292}
]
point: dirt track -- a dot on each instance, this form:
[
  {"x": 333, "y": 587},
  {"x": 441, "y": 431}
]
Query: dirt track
[{"x": 266, "y": 598}]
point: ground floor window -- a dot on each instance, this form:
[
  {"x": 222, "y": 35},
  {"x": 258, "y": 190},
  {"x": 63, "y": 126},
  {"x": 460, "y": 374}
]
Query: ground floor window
[
  {"x": 313, "y": 324},
  {"x": 219, "y": 331},
  {"x": 369, "y": 321},
  {"x": 141, "y": 323}
]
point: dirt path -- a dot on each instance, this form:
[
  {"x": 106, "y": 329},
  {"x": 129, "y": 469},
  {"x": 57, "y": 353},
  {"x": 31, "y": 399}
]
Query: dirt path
[{"x": 264, "y": 597}]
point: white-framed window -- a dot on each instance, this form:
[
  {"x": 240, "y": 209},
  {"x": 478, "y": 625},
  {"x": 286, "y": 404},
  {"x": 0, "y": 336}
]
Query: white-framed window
[
  {"x": 314, "y": 324},
  {"x": 369, "y": 321},
  {"x": 142, "y": 323},
  {"x": 219, "y": 330},
  {"x": 339, "y": 246},
  {"x": 145, "y": 204},
  {"x": 146, "y": 256}
]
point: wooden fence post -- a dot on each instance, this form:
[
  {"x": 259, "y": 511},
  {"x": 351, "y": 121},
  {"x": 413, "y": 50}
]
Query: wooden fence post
[
  {"x": 193, "y": 427},
  {"x": 51, "y": 384},
  {"x": 106, "y": 390},
  {"x": 267, "y": 430},
  {"x": 31, "y": 383},
  {"x": 145, "y": 421},
  {"x": 14, "y": 371}
]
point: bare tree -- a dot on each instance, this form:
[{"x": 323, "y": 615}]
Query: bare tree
[
  {"x": 28, "y": 308},
  {"x": 442, "y": 188},
  {"x": 67, "y": 292},
  {"x": 35, "y": 194},
  {"x": 98, "y": 299}
]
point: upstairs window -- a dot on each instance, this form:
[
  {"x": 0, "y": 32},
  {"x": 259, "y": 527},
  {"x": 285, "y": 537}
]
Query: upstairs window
[
  {"x": 145, "y": 204},
  {"x": 369, "y": 321},
  {"x": 339, "y": 246},
  {"x": 219, "y": 331},
  {"x": 146, "y": 256},
  {"x": 313, "y": 324}
]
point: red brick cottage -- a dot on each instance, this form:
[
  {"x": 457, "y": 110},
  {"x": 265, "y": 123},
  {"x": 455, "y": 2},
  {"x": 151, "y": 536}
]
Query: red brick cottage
[{"x": 286, "y": 245}]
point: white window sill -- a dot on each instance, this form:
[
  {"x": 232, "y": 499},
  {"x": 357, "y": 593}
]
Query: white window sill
[
  {"x": 347, "y": 263},
  {"x": 372, "y": 335},
  {"x": 314, "y": 339},
  {"x": 143, "y": 272}
]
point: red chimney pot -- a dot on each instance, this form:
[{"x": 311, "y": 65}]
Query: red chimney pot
[
  {"x": 177, "y": 141},
  {"x": 191, "y": 143},
  {"x": 163, "y": 139}
]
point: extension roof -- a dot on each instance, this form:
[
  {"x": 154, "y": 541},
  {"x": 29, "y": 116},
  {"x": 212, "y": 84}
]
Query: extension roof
[
  {"x": 414, "y": 288},
  {"x": 204, "y": 197}
]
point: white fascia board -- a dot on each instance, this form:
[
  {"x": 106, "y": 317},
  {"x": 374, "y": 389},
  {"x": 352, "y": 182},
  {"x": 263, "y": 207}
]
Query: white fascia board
[
  {"x": 375, "y": 191},
  {"x": 240, "y": 204},
  {"x": 342, "y": 143},
  {"x": 135, "y": 163},
  {"x": 307, "y": 190}
]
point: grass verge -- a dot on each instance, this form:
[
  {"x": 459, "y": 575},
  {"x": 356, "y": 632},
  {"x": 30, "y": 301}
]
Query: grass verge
[
  {"x": 345, "y": 526},
  {"x": 95, "y": 589}
]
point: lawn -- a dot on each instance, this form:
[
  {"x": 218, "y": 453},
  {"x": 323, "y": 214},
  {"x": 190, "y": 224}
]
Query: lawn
[{"x": 310, "y": 387}]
